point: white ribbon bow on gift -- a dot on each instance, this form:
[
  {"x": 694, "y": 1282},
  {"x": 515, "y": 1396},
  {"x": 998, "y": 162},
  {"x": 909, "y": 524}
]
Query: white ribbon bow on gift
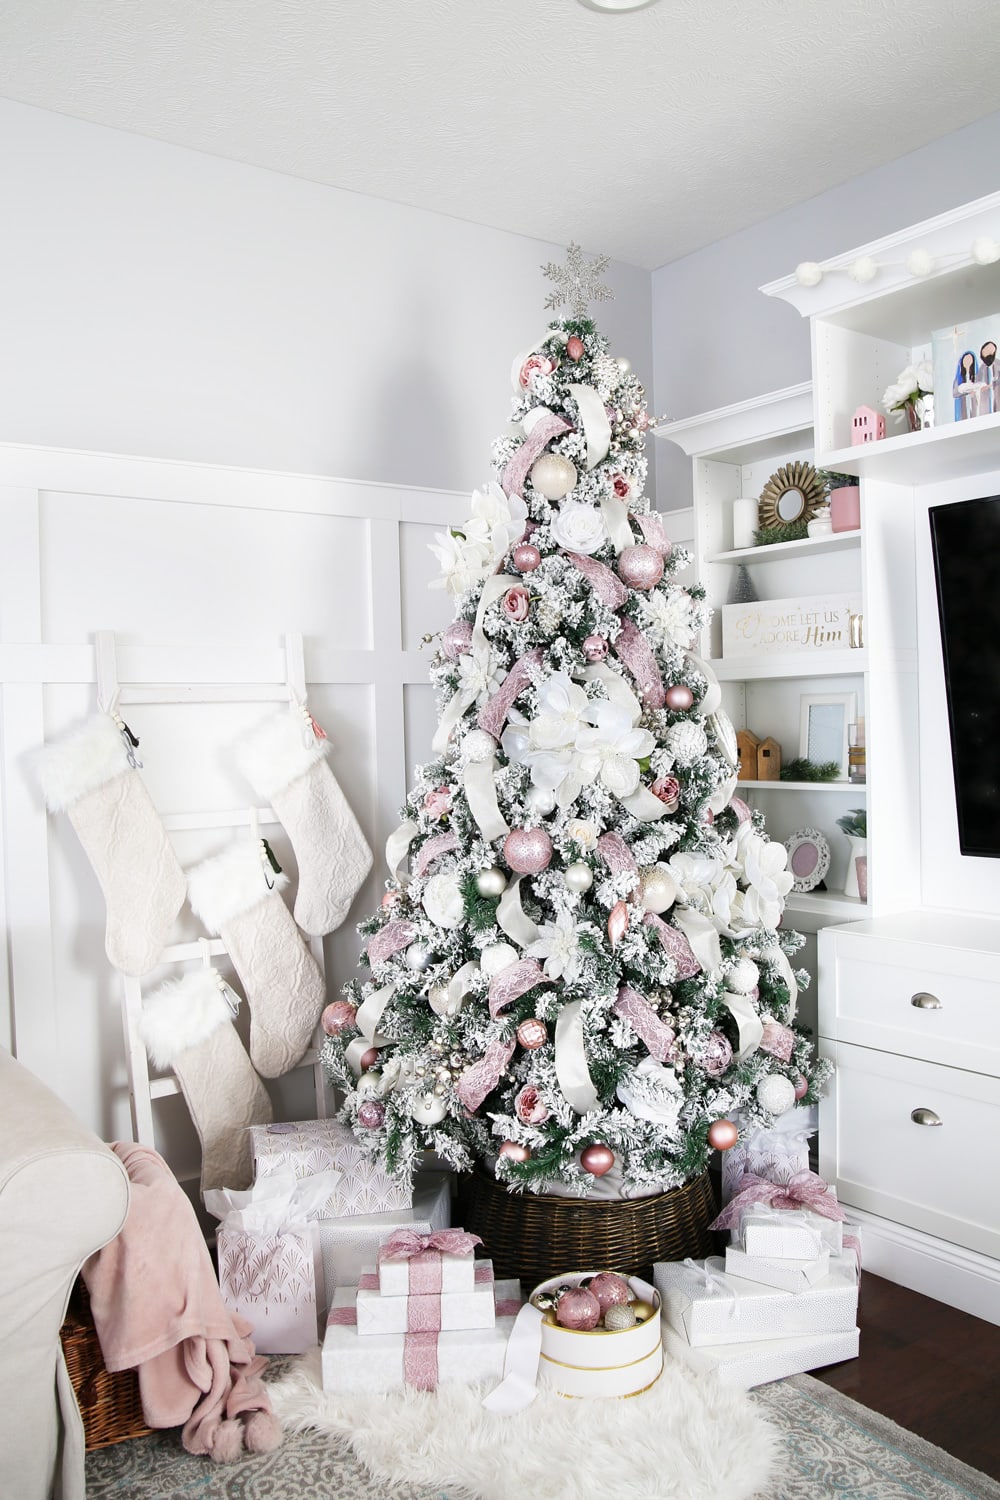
[
  {"x": 710, "y": 1280},
  {"x": 275, "y": 1203}
]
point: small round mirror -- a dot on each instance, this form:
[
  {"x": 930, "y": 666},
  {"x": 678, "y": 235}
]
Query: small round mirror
[
  {"x": 792, "y": 494},
  {"x": 791, "y": 505}
]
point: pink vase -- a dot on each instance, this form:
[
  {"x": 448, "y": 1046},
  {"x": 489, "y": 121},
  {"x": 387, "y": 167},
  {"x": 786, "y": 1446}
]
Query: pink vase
[{"x": 845, "y": 508}]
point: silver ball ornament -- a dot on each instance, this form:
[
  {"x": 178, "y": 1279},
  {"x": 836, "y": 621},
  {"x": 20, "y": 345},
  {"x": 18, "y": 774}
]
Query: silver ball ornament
[
  {"x": 492, "y": 882},
  {"x": 619, "y": 1316},
  {"x": 553, "y": 476},
  {"x": 419, "y": 957},
  {"x": 578, "y": 878}
]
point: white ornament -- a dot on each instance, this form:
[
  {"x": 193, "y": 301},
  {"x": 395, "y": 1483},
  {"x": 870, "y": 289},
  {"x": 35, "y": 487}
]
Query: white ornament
[
  {"x": 428, "y": 1109},
  {"x": 478, "y": 746},
  {"x": 496, "y": 957},
  {"x": 985, "y": 250},
  {"x": 686, "y": 741},
  {"x": 553, "y": 475},
  {"x": 370, "y": 1085},
  {"x": 442, "y": 901},
  {"x": 744, "y": 976},
  {"x": 863, "y": 269},
  {"x": 809, "y": 273},
  {"x": 657, "y": 889},
  {"x": 579, "y": 878},
  {"x": 776, "y": 1093},
  {"x": 623, "y": 364},
  {"x": 540, "y": 800},
  {"x": 418, "y": 957},
  {"x": 438, "y": 1000},
  {"x": 491, "y": 882},
  {"x": 920, "y": 263}
]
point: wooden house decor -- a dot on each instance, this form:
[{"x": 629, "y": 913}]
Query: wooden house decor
[
  {"x": 768, "y": 760},
  {"x": 747, "y": 745},
  {"x": 867, "y": 426}
]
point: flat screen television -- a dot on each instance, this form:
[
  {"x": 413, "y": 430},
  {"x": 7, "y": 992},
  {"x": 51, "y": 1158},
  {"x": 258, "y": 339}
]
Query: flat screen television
[{"x": 965, "y": 539}]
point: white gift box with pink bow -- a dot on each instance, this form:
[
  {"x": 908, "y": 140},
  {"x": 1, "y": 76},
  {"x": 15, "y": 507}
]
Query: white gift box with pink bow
[
  {"x": 417, "y": 1264},
  {"x": 708, "y": 1306},
  {"x": 795, "y": 1220},
  {"x": 350, "y": 1244},
  {"x": 442, "y": 1312}
]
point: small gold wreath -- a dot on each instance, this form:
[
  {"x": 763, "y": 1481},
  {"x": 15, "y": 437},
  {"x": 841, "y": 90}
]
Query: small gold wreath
[{"x": 794, "y": 476}]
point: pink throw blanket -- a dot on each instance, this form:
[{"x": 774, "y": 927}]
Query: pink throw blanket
[{"x": 157, "y": 1308}]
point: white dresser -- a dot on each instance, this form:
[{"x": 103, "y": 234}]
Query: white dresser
[{"x": 909, "y": 1012}]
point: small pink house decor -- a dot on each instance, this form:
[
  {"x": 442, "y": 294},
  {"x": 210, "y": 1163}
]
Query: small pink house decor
[{"x": 867, "y": 426}]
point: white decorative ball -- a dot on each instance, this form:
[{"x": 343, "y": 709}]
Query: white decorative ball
[
  {"x": 478, "y": 746},
  {"x": 428, "y": 1109},
  {"x": 776, "y": 1093},
  {"x": 809, "y": 273},
  {"x": 744, "y": 976},
  {"x": 440, "y": 1002},
  {"x": 686, "y": 741},
  {"x": 920, "y": 263},
  {"x": 657, "y": 889},
  {"x": 443, "y": 901},
  {"x": 540, "y": 800},
  {"x": 578, "y": 878},
  {"x": 492, "y": 882},
  {"x": 985, "y": 250},
  {"x": 553, "y": 475},
  {"x": 863, "y": 269},
  {"x": 496, "y": 957},
  {"x": 623, "y": 364},
  {"x": 418, "y": 957},
  {"x": 369, "y": 1085}
]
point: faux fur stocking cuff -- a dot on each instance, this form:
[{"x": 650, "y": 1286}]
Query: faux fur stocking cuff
[
  {"x": 81, "y": 762},
  {"x": 181, "y": 1014},
  {"x": 231, "y": 883},
  {"x": 279, "y": 750}
]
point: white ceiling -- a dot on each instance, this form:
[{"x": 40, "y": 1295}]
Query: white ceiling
[{"x": 642, "y": 135}]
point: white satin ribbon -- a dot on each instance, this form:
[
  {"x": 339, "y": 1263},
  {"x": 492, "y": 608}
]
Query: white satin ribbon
[
  {"x": 369, "y": 1013},
  {"x": 643, "y": 805},
  {"x": 454, "y": 710},
  {"x": 513, "y": 919},
  {"x": 615, "y": 515},
  {"x": 459, "y": 986},
  {"x": 397, "y": 848},
  {"x": 481, "y": 794},
  {"x": 495, "y": 586},
  {"x": 357, "y": 1049},
  {"x": 596, "y": 427},
  {"x": 712, "y": 700},
  {"x": 616, "y": 687},
  {"x": 519, "y": 1385},
  {"x": 571, "y": 1060},
  {"x": 702, "y": 934},
  {"x": 748, "y": 1023},
  {"x": 780, "y": 959}
]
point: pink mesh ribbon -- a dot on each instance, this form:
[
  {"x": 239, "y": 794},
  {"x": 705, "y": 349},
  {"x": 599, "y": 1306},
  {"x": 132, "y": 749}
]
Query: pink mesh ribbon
[
  {"x": 778, "y": 1040},
  {"x": 635, "y": 653},
  {"x": 544, "y": 430},
  {"x": 482, "y": 1078},
  {"x": 513, "y": 982},
  {"x": 482, "y": 1271},
  {"x": 390, "y": 940},
  {"x": 646, "y": 1024},
  {"x": 606, "y": 585},
  {"x": 741, "y": 809},
  {"x": 425, "y": 1254},
  {"x": 442, "y": 843},
  {"x": 493, "y": 714},
  {"x": 804, "y": 1190},
  {"x": 652, "y": 530},
  {"x": 420, "y": 1360},
  {"x": 676, "y": 944},
  {"x": 342, "y": 1317},
  {"x": 851, "y": 1242},
  {"x": 508, "y": 1307},
  {"x": 407, "y": 1244},
  {"x": 616, "y": 854}
]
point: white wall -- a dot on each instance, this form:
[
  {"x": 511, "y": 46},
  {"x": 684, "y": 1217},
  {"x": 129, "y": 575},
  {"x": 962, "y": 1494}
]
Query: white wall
[{"x": 717, "y": 339}]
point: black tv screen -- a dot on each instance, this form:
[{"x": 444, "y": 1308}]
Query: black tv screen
[{"x": 965, "y": 538}]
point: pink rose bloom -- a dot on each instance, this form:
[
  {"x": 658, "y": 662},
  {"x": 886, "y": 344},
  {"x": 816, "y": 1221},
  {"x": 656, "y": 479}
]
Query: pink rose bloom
[
  {"x": 438, "y": 801},
  {"x": 516, "y": 603},
  {"x": 778, "y": 1040},
  {"x": 528, "y": 1106},
  {"x": 622, "y": 485},
  {"x": 668, "y": 789},
  {"x": 535, "y": 364}
]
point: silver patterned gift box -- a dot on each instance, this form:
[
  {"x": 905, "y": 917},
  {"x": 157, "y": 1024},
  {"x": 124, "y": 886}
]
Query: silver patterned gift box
[
  {"x": 747, "y": 1365},
  {"x": 706, "y": 1306},
  {"x": 312, "y": 1146}
]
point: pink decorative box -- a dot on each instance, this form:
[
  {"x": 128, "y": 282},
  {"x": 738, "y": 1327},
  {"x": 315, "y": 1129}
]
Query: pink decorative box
[
  {"x": 312, "y": 1146},
  {"x": 442, "y": 1312},
  {"x": 410, "y": 1264},
  {"x": 270, "y": 1279}
]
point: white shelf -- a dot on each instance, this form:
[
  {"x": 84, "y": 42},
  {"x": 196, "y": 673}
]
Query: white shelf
[
  {"x": 802, "y": 786},
  {"x": 791, "y": 664},
  {"x": 763, "y": 427},
  {"x": 957, "y": 448},
  {"x": 833, "y": 906},
  {"x": 810, "y": 546}
]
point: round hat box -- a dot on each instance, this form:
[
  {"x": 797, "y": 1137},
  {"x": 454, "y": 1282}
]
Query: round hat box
[{"x": 600, "y": 1362}]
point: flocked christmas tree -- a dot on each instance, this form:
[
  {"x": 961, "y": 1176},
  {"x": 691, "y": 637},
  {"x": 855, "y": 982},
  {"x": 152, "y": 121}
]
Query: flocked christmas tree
[{"x": 576, "y": 969}]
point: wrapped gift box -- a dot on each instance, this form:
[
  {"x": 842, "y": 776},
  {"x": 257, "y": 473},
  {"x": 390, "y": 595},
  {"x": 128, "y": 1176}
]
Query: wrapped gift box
[
  {"x": 432, "y": 1270},
  {"x": 350, "y": 1245},
  {"x": 786, "y": 1233},
  {"x": 789, "y": 1275},
  {"x": 270, "y": 1279},
  {"x": 706, "y": 1306},
  {"x": 312, "y": 1146},
  {"x": 447, "y": 1312},
  {"x": 776, "y": 1155},
  {"x": 389, "y": 1361},
  {"x": 747, "y": 1365}
]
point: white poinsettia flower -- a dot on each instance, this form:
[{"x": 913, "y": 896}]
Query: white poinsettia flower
[
  {"x": 579, "y": 527},
  {"x": 497, "y": 520},
  {"x": 611, "y": 745},
  {"x": 479, "y": 675},
  {"x": 442, "y": 901},
  {"x": 668, "y": 616},
  {"x": 464, "y": 564},
  {"x": 559, "y": 947}
]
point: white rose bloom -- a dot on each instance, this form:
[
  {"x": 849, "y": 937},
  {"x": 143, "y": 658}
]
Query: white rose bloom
[
  {"x": 442, "y": 901},
  {"x": 497, "y": 520},
  {"x": 582, "y": 832},
  {"x": 463, "y": 564},
  {"x": 620, "y": 775},
  {"x": 768, "y": 880},
  {"x": 559, "y": 946},
  {"x": 579, "y": 527},
  {"x": 668, "y": 615}
]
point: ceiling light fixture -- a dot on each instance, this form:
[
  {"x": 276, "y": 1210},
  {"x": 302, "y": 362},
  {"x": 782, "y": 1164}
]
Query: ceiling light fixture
[{"x": 617, "y": 4}]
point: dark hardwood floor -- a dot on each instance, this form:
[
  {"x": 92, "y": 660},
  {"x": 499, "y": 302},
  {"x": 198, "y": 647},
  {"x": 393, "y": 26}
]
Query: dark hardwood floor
[{"x": 928, "y": 1367}]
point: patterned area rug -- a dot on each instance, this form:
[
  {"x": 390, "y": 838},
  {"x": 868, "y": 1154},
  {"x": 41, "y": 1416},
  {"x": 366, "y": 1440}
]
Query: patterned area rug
[{"x": 825, "y": 1445}]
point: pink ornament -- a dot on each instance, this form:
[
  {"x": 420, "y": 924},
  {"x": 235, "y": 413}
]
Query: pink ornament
[
  {"x": 678, "y": 697},
  {"x": 722, "y": 1135},
  {"x": 595, "y": 647},
  {"x": 338, "y": 1016},
  {"x": 529, "y": 1107},
  {"x": 778, "y": 1040},
  {"x": 597, "y": 1159},
  {"x": 368, "y": 1059},
  {"x": 457, "y": 639},
  {"x": 527, "y": 850},
  {"x": 610, "y": 1290},
  {"x": 438, "y": 801},
  {"x": 389, "y": 899},
  {"x": 717, "y": 1056},
  {"x": 574, "y": 348},
  {"x": 640, "y": 567},
  {"x": 578, "y": 1309},
  {"x": 801, "y": 1087},
  {"x": 513, "y": 1151},
  {"x": 526, "y": 557},
  {"x": 532, "y": 1034},
  {"x": 668, "y": 789},
  {"x": 516, "y": 603},
  {"x": 371, "y": 1114},
  {"x": 622, "y": 485},
  {"x": 617, "y": 923}
]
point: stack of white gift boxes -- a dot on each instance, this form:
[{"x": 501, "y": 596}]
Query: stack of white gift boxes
[
  {"x": 427, "y": 1313},
  {"x": 312, "y": 1223}
]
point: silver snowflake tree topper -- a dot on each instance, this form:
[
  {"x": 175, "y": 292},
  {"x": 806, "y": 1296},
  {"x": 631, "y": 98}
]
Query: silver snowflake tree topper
[{"x": 577, "y": 284}]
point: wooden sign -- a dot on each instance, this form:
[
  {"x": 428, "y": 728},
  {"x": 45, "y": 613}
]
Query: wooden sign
[{"x": 771, "y": 626}]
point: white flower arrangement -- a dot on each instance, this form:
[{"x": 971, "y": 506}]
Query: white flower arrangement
[{"x": 910, "y": 384}]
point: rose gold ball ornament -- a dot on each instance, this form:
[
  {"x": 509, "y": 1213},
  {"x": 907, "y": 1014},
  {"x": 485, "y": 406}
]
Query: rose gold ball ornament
[
  {"x": 597, "y": 1159},
  {"x": 514, "y": 1152},
  {"x": 609, "y": 1288},
  {"x": 640, "y": 567},
  {"x": 368, "y": 1059},
  {"x": 553, "y": 476},
  {"x": 578, "y": 1309},
  {"x": 574, "y": 347},
  {"x": 457, "y": 639},
  {"x": 338, "y": 1016},
  {"x": 526, "y": 557},
  {"x": 532, "y": 1034},
  {"x": 389, "y": 899},
  {"x": 595, "y": 647},
  {"x": 801, "y": 1087},
  {"x": 371, "y": 1114},
  {"x": 620, "y": 1316},
  {"x": 679, "y": 697},
  {"x": 527, "y": 850},
  {"x": 722, "y": 1135}
]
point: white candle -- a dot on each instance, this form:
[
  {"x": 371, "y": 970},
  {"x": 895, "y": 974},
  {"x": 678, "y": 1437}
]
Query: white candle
[{"x": 744, "y": 522}]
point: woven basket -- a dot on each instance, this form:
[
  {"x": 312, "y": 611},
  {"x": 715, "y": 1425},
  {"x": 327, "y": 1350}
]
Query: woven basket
[
  {"x": 533, "y": 1237},
  {"x": 109, "y": 1403}
]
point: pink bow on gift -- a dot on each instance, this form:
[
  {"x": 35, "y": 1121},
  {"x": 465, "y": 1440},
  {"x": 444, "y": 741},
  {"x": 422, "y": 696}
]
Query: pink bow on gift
[
  {"x": 406, "y": 1243},
  {"x": 804, "y": 1190}
]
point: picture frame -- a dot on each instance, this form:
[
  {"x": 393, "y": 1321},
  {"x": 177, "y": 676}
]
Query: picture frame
[
  {"x": 823, "y": 722},
  {"x": 808, "y": 858}
]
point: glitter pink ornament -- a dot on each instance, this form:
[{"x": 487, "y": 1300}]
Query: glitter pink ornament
[
  {"x": 457, "y": 639},
  {"x": 371, "y": 1114},
  {"x": 597, "y": 1159},
  {"x": 516, "y": 603},
  {"x": 529, "y": 1107},
  {"x": 668, "y": 789},
  {"x": 595, "y": 647},
  {"x": 641, "y": 567},
  {"x": 717, "y": 1056},
  {"x": 338, "y": 1016},
  {"x": 574, "y": 347},
  {"x": 526, "y": 557},
  {"x": 679, "y": 697},
  {"x": 578, "y": 1309},
  {"x": 609, "y": 1289},
  {"x": 532, "y": 1034},
  {"x": 514, "y": 1152},
  {"x": 527, "y": 851},
  {"x": 617, "y": 923}
]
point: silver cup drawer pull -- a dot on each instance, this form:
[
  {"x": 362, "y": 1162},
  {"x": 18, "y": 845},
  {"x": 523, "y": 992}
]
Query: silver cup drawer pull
[
  {"x": 925, "y": 1117},
  {"x": 924, "y": 1001}
]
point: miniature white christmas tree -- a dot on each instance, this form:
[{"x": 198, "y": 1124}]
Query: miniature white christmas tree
[{"x": 577, "y": 965}]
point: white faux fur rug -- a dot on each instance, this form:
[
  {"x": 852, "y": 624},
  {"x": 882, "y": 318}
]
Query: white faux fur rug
[{"x": 687, "y": 1438}]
